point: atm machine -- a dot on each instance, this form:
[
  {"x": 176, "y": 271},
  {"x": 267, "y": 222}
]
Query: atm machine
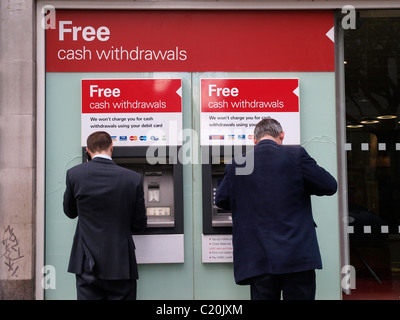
[
  {"x": 217, "y": 223},
  {"x": 215, "y": 220},
  {"x": 214, "y": 160},
  {"x": 162, "y": 241},
  {"x": 163, "y": 191}
]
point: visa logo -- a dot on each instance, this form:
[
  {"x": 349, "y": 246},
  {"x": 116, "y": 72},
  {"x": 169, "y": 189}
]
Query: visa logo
[{"x": 123, "y": 138}]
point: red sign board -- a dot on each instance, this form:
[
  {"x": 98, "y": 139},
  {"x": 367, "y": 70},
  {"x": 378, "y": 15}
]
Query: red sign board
[
  {"x": 249, "y": 95},
  {"x": 131, "y": 95},
  {"x": 231, "y": 108},
  {"x": 133, "y": 111},
  {"x": 137, "y": 41}
]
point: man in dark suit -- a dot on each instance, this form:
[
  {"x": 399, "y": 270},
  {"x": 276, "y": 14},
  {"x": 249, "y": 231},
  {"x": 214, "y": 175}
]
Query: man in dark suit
[
  {"x": 275, "y": 246},
  {"x": 108, "y": 201}
]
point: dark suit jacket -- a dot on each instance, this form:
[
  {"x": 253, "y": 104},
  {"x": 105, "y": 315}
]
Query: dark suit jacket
[
  {"x": 108, "y": 201},
  {"x": 273, "y": 227}
]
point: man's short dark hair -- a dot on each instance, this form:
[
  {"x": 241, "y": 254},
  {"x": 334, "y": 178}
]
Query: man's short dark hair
[
  {"x": 98, "y": 141},
  {"x": 267, "y": 126}
]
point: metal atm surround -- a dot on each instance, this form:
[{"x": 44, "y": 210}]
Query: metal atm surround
[
  {"x": 164, "y": 179},
  {"x": 215, "y": 220}
]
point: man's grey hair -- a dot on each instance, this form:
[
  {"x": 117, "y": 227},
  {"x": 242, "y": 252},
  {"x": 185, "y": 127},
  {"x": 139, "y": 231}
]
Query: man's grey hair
[{"x": 267, "y": 126}]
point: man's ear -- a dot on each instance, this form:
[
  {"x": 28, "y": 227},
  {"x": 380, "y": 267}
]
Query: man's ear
[{"x": 282, "y": 136}]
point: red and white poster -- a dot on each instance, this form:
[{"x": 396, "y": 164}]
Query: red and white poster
[
  {"x": 190, "y": 40},
  {"x": 135, "y": 112},
  {"x": 231, "y": 108}
]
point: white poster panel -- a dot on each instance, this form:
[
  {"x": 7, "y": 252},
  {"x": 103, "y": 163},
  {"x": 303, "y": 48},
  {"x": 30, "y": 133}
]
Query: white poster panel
[
  {"x": 135, "y": 112},
  {"x": 231, "y": 108}
]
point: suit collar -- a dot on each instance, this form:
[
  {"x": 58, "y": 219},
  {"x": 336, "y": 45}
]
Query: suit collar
[
  {"x": 267, "y": 141},
  {"x": 103, "y": 160}
]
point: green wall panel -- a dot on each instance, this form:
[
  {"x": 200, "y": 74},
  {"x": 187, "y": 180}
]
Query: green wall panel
[{"x": 192, "y": 279}]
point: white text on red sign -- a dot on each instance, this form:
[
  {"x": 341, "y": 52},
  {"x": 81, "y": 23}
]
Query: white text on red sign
[
  {"x": 107, "y": 92},
  {"x": 226, "y": 92},
  {"x": 88, "y": 33}
]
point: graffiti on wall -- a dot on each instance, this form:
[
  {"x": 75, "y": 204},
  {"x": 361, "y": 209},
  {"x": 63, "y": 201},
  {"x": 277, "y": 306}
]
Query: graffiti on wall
[{"x": 10, "y": 252}]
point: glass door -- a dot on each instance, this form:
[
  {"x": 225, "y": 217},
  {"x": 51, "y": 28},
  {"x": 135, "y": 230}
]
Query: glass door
[{"x": 372, "y": 91}]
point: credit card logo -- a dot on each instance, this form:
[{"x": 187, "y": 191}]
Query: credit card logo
[{"x": 216, "y": 137}]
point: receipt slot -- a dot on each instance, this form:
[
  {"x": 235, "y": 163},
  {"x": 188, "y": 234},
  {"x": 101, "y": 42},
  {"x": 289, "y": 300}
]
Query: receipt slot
[{"x": 162, "y": 186}]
